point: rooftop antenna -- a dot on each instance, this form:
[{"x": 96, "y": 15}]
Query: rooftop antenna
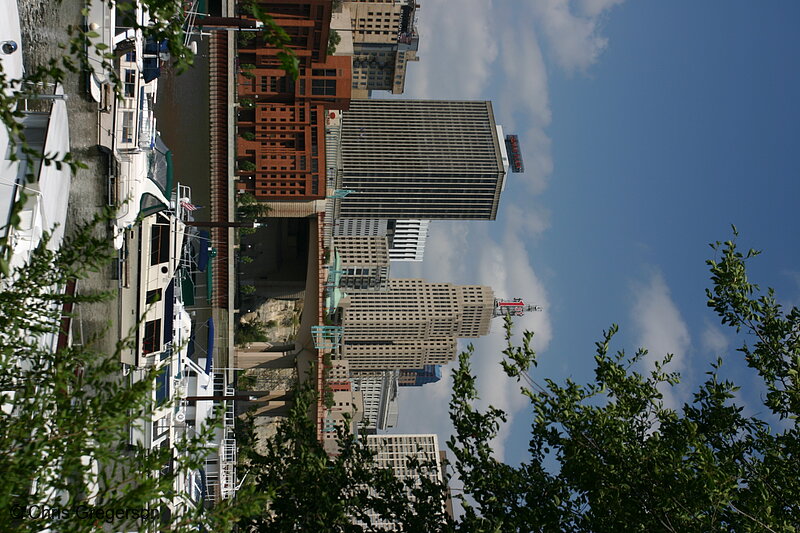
[{"x": 513, "y": 307}]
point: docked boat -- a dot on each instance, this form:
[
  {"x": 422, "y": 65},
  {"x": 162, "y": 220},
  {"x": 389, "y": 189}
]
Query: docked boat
[{"x": 189, "y": 391}]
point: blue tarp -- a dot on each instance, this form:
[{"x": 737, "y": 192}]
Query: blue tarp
[{"x": 210, "y": 346}]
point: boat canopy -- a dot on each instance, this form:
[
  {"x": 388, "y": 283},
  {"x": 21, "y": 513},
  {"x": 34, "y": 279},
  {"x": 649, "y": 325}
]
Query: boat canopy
[
  {"x": 187, "y": 288},
  {"x": 160, "y": 172},
  {"x": 169, "y": 306}
]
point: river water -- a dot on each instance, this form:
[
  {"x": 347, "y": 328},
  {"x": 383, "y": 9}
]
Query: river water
[{"x": 182, "y": 120}]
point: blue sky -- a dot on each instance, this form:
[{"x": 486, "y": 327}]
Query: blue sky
[{"x": 647, "y": 128}]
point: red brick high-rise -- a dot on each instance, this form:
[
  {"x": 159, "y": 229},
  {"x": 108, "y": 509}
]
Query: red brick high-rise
[{"x": 281, "y": 121}]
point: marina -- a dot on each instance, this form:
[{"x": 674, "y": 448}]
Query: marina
[{"x": 162, "y": 275}]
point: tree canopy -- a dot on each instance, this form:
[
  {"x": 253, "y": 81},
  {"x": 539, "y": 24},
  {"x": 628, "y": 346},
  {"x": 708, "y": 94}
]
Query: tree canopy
[{"x": 608, "y": 455}]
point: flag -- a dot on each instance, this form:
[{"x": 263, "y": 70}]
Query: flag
[{"x": 189, "y": 206}]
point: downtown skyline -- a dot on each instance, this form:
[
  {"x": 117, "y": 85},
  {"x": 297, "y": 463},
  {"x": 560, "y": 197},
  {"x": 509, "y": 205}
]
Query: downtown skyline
[{"x": 646, "y": 129}]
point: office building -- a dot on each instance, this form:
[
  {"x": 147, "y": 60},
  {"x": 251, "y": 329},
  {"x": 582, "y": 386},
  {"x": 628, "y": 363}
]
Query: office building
[
  {"x": 420, "y": 159},
  {"x": 385, "y": 40},
  {"x": 412, "y": 324},
  {"x": 417, "y": 377},
  {"x": 363, "y": 262},
  {"x": 280, "y": 154},
  {"x": 395, "y": 451},
  {"x": 380, "y": 400},
  {"x": 407, "y": 239}
]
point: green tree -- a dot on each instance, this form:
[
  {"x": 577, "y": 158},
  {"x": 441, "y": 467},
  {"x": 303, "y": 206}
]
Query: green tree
[
  {"x": 610, "y": 456},
  {"x": 605, "y": 456},
  {"x": 67, "y": 413},
  {"x": 249, "y": 208},
  {"x": 311, "y": 491},
  {"x": 333, "y": 41}
]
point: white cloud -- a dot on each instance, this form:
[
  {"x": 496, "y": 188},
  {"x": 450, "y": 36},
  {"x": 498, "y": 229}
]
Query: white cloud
[
  {"x": 463, "y": 55},
  {"x": 661, "y": 328},
  {"x": 573, "y": 39},
  {"x": 457, "y": 48},
  {"x": 525, "y": 76},
  {"x": 713, "y": 339},
  {"x": 594, "y": 8}
]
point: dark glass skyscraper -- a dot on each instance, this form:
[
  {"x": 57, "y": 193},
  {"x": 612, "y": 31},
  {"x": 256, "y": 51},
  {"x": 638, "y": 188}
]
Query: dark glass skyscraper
[{"x": 421, "y": 159}]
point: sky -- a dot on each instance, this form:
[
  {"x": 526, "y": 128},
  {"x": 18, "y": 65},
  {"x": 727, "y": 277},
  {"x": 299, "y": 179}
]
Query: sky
[{"x": 647, "y": 128}]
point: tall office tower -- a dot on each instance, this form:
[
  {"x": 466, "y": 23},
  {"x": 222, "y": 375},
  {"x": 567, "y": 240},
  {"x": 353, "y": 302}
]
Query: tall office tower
[
  {"x": 384, "y": 41},
  {"x": 395, "y": 451},
  {"x": 412, "y": 324},
  {"x": 407, "y": 239},
  {"x": 362, "y": 262},
  {"x": 421, "y": 159},
  {"x": 360, "y": 227},
  {"x": 380, "y": 400}
]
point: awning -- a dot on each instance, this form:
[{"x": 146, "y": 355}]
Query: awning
[{"x": 209, "y": 279}]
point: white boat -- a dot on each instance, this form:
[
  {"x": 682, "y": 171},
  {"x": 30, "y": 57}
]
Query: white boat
[
  {"x": 46, "y": 131},
  {"x": 188, "y": 388},
  {"x": 42, "y": 190},
  {"x": 141, "y": 186}
]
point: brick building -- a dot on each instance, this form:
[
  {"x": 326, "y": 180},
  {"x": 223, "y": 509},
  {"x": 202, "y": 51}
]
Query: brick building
[{"x": 280, "y": 122}]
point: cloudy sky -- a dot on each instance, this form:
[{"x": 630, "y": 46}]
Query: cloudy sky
[{"x": 647, "y": 128}]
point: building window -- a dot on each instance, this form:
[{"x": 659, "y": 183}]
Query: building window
[
  {"x": 330, "y": 72},
  {"x": 130, "y": 56},
  {"x": 323, "y": 87},
  {"x": 160, "y": 428},
  {"x": 130, "y": 83},
  {"x": 153, "y": 296},
  {"x": 127, "y": 126}
]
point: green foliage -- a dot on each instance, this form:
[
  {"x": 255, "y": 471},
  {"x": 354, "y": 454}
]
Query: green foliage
[
  {"x": 246, "y": 259},
  {"x": 333, "y": 41},
  {"x": 246, "y": 103},
  {"x": 275, "y": 36},
  {"x": 611, "y": 456},
  {"x": 246, "y": 165},
  {"x": 309, "y": 491},
  {"x": 245, "y": 381},
  {"x": 248, "y": 289},
  {"x": 246, "y": 38},
  {"x": 252, "y": 331},
  {"x": 250, "y": 208},
  {"x": 66, "y": 414},
  {"x": 248, "y": 136}
]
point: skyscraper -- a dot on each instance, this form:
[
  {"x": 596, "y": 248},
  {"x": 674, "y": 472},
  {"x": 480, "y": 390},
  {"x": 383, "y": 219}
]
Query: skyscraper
[
  {"x": 412, "y": 324},
  {"x": 407, "y": 239},
  {"x": 394, "y": 452},
  {"x": 421, "y": 159},
  {"x": 385, "y": 39}
]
